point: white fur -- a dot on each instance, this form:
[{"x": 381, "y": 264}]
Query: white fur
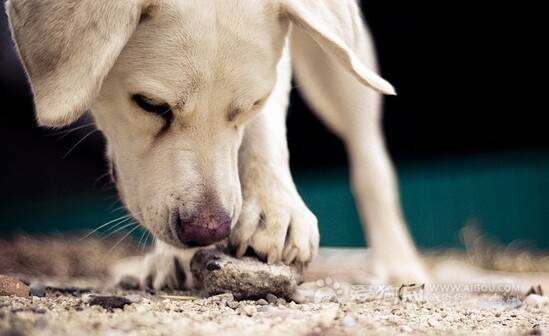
[{"x": 208, "y": 59}]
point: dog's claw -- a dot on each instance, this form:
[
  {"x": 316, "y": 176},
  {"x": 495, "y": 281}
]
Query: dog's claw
[
  {"x": 290, "y": 255},
  {"x": 241, "y": 250},
  {"x": 273, "y": 256}
]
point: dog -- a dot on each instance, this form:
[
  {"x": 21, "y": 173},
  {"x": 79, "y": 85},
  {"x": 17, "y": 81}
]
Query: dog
[{"x": 191, "y": 96}]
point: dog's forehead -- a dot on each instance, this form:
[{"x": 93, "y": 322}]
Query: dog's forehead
[
  {"x": 186, "y": 42},
  {"x": 222, "y": 26}
]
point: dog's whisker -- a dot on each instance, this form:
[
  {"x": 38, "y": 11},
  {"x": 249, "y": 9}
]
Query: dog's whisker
[
  {"x": 112, "y": 204},
  {"x": 117, "y": 208},
  {"x": 108, "y": 186},
  {"x": 109, "y": 232},
  {"x": 149, "y": 237},
  {"x": 64, "y": 133},
  {"x": 122, "y": 219},
  {"x": 146, "y": 242},
  {"x": 123, "y": 238},
  {"x": 117, "y": 225},
  {"x": 120, "y": 228},
  {"x": 143, "y": 243},
  {"x": 141, "y": 238},
  {"x": 79, "y": 142},
  {"x": 101, "y": 177},
  {"x": 167, "y": 111},
  {"x": 113, "y": 197}
]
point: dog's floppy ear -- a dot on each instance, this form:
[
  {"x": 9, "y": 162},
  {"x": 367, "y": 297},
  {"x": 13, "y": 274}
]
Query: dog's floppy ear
[
  {"x": 335, "y": 25},
  {"x": 68, "y": 47}
]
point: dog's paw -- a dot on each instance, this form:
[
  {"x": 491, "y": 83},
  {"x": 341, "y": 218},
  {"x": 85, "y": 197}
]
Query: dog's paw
[
  {"x": 161, "y": 269},
  {"x": 277, "y": 225},
  {"x": 167, "y": 270}
]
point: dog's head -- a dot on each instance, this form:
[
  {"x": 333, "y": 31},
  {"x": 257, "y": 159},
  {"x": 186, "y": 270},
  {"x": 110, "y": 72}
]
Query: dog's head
[{"x": 172, "y": 85}]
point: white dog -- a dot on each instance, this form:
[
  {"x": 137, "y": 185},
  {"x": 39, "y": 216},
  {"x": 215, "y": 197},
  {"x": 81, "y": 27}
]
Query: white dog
[{"x": 192, "y": 96}]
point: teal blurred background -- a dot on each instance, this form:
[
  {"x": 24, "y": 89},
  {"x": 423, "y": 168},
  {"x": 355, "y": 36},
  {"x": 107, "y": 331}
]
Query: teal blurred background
[{"x": 505, "y": 194}]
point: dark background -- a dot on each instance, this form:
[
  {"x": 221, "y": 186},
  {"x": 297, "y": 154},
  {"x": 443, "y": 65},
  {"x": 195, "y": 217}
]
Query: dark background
[{"x": 471, "y": 83}]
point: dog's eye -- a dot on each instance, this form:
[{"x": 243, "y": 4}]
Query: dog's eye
[{"x": 162, "y": 110}]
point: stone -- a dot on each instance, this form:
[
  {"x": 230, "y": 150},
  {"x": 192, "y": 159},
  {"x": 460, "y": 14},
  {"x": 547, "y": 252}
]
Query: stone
[
  {"x": 109, "y": 302},
  {"x": 281, "y": 301},
  {"x": 38, "y": 289},
  {"x": 233, "y": 304},
  {"x": 248, "y": 310},
  {"x": 432, "y": 322},
  {"x": 271, "y": 298},
  {"x": 225, "y": 297},
  {"x": 245, "y": 278},
  {"x": 74, "y": 291},
  {"x": 11, "y": 286}
]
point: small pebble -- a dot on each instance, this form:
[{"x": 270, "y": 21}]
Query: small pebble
[
  {"x": 535, "y": 331},
  {"x": 109, "y": 302},
  {"x": 38, "y": 289},
  {"x": 11, "y": 286},
  {"x": 74, "y": 291},
  {"x": 262, "y": 302},
  {"x": 222, "y": 297},
  {"x": 233, "y": 304},
  {"x": 271, "y": 298},
  {"x": 432, "y": 322},
  {"x": 248, "y": 310},
  {"x": 280, "y": 301}
]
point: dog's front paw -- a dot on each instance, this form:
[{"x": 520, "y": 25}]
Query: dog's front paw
[
  {"x": 277, "y": 225},
  {"x": 163, "y": 268},
  {"x": 167, "y": 270}
]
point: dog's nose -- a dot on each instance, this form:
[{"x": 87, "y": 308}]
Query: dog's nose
[{"x": 204, "y": 227}]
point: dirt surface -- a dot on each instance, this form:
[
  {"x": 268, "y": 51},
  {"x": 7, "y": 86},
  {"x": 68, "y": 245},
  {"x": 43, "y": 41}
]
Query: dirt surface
[
  {"x": 377, "y": 310},
  {"x": 466, "y": 299}
]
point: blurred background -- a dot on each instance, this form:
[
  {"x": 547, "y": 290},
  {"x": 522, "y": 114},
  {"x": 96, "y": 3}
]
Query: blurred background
[{"x": 467, "y": 133}]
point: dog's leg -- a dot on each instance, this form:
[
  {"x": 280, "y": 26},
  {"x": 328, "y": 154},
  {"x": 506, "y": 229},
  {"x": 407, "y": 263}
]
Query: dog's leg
[
  {"x": 164, "y": 267},
  {"x": 353, "y": 111},
  {"x": 274, "y": 222}
]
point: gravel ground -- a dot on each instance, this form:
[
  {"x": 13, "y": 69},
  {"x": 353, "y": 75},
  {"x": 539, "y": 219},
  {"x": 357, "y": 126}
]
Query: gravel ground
[
  {"x": 489, "y": 302},
  {"x": 378, "y": 312}
]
